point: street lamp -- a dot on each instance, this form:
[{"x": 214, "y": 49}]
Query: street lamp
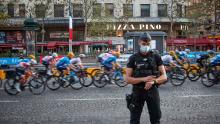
[{"x": 30, "y": 26}]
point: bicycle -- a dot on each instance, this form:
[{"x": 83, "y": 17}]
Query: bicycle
[
  {"x": 196, "y": 72},
  {"x": 176, "y": 75},
  {"x": 65, "y": 80},
  {"x": 117, "y": 76},
  {"x": 86, "y": 79},
  {"x": 211, "y": 77},
  {"x": 32, "y": 80}
]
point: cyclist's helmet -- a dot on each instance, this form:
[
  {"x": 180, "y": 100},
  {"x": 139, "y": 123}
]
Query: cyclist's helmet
[
  {"x": 82, "y": 55},
  {"x": 211, "y": 52},
  {"x": 187, "y": 50},
  {"x": 33, "y": 62},
  {"x": 55, "y": 55},
  {"x": 70, "y": 55},
  {"x": 21, "y": 56},
  {"x": 117, "y": 54},
  {"x": 172, "y": 53},
  {"x": 145, "y": 37},
  {"x": 31, "y": 56}
]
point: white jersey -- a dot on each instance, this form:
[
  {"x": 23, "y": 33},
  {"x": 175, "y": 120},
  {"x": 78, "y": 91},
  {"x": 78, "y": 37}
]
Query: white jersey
[
  {"x": 167, "y": 59},
  {"x": 75, "y": 61},
  {"x": 47, "y": 58},
  {"x": 105, "y": 56}
]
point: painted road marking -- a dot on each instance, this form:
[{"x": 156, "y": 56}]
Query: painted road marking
[
  {"x": 97, "y": 99},
  {"x": 8, "y": 101},
  {"x": 186, "y": 96},
  {"x": 90, "y": 99}
]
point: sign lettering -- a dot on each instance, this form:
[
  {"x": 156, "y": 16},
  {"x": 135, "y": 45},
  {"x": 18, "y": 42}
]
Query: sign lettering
[{"x": 135, "y": 27}]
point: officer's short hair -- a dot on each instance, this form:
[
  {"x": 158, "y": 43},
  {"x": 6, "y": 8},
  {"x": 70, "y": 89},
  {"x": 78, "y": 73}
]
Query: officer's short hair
[{"x": 145, "y": 37}]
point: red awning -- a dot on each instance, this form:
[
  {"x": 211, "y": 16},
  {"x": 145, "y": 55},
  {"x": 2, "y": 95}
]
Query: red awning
[
  {"x": 15, "y": 45},
  {"x": 189, "y": 41},
  {"x": 41, "y": 44},
  {"x": 51, "y": 45},
  {"x": 77, "y": 43}
]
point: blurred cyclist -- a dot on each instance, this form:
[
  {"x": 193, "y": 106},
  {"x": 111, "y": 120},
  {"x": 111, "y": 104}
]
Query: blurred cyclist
[
  {"x": 49, "y": 61},
  {"x": 22, "y": 68}
]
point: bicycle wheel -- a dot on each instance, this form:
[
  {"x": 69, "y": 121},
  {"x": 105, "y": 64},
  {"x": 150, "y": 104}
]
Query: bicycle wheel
[
  {"x": 9, "y": 87},
  {"x": 207, "y": 79},
  {"x": 177, "y": 78},
  {"x": 53, "y": 83},
  {"x": 97, "y": 76},
  {"x": 87, "y": 79},
  {"x": 102, "y": 81},
  {"x": 120, "y": 80},
  {"x": 193, "y": 74},
  {"x": 76, "y": 83},
  {"x": 36, "y": 86}
]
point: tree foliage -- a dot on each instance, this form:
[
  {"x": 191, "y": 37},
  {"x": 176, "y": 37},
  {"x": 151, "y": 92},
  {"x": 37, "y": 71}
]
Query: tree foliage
[{"x": 202, "y": 15}]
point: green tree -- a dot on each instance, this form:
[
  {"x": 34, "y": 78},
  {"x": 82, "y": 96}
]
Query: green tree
[
  {"x": 202, "y": 15},
  {"x": 3, "y": 15},
  {"x": 43, "y": 9}
]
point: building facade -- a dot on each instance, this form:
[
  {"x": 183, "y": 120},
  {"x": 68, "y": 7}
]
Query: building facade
[
  {"x": 115, "y": 18},
  {"x": 204, "y": 30}
]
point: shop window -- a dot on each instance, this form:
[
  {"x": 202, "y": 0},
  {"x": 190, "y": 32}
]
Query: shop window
[
  {"x": 162, "y": 10},
  {"x": 58, "y": 10},
  {"x": 78, "y": 35},
  {"x": 22, "y": 10},
  {"x": 128, "y": 10},
  {"x": 109, "y": 9},
  {"x": 11, "y": 10},
  {"x": 97, "y": 10},
  {"x": 181, "y": 34},
  {"x": 145, "y": 10},
  {"x": 77, "y": 10}
]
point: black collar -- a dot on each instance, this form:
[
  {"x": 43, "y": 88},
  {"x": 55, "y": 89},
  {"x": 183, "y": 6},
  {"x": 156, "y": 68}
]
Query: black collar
[{"x": 145, "y": 55}]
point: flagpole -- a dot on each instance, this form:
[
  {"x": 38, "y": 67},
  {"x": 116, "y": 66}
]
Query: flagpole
[{"x": 70, "y": 30}]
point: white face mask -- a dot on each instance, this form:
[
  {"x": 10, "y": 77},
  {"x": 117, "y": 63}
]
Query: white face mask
[{"x": 144, "y": 49}]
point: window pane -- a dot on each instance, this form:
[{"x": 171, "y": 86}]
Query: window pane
[
  {"x": 97, "y": 10},
  {"x": 145, "y": 10},
  {"x": 22, "y": 10},
  {"x": 109, "y": 9},
  {"x": 179, "y": 10},
  {"x": 128, "y": 10},
  {"x": 58, "y": 10},
  {"x": 2, "y": 8},
  {"x": 77, "y": 10},
  {"x": 162, "y": 10},
  {"x": 40, "y": 11},
  {"x": 11, "y": 10}
]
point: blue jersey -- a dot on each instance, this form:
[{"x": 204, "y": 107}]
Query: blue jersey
[
  {"x": 108, "y": 62},
  {"x": 63, "y": 62},
  {"x": 215, "y": 60}
]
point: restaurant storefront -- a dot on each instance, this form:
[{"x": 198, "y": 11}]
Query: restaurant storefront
[{"x": 55, "y": 37}]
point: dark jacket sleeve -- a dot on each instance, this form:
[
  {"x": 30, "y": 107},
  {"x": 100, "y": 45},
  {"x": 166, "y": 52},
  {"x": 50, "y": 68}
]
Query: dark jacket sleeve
[{"x": 131, "y": 62}]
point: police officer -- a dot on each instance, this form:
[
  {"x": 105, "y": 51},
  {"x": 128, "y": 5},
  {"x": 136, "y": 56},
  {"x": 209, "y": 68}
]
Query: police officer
[{"x": 145, "y": 71}]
